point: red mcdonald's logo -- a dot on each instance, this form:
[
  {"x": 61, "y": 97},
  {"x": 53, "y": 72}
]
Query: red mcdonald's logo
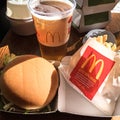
[
  {"x": 95, "y": 62},
  {"x": 53, "y": 37}
]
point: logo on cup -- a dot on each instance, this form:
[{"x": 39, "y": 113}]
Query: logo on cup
[
  {"x": 52, "y": 37},
  {"x": 94, "y": 63}
]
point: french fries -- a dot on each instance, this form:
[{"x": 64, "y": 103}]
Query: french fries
[{"x": 103, "y": 40}]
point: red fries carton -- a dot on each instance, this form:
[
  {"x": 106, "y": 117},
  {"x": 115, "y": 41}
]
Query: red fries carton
[{"x": 93, "y": 72}]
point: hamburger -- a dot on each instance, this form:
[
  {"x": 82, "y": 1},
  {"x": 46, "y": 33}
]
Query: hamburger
[{"x": 29, "y": 82}]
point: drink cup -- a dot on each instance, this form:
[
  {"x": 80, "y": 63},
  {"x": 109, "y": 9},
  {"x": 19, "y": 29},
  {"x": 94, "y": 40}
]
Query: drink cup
[{"x": 52, "y": 20}]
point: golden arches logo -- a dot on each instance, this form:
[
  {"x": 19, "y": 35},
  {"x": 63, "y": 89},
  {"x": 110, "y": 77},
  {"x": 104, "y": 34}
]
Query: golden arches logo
[
  {"x": 94, "y": 64},
  {"x": 53, "y": 37}
]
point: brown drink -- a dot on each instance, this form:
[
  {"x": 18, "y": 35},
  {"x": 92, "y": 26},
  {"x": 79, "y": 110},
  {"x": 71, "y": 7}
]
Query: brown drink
[{"x": 52, "y": 21}]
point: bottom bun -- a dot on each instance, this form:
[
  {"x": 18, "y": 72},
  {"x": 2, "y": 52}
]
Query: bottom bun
[{"x": 29, "y": 81}]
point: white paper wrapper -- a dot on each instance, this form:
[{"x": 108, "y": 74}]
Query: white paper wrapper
[{"x": 99, "y": 82}]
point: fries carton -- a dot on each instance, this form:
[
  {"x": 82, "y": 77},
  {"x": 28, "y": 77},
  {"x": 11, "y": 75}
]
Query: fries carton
[{"x": 93, "y": 71}]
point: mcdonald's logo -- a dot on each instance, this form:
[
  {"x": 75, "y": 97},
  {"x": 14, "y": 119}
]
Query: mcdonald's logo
[
  {"x": 95, "y": 62},
  {"x": 53, "y": 37},
  {"x": 90, "y": 71}
]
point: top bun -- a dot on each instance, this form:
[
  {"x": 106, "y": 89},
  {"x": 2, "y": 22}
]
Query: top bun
[{"x": 29, "y": 81}]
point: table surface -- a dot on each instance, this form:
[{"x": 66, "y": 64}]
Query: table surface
[{"x": 28, "y": 45}]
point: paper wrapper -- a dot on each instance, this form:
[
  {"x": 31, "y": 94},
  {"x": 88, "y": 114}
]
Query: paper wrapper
[
  {"x": 93, "y": 72},
  {"x": 3, "y": 51}
]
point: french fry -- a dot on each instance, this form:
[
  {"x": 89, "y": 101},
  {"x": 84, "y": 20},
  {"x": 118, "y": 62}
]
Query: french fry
[
  {"x": 114, "y": 47},
  {"x": 105, "y": 37},
  {"x": 108, "y": 45},
  {"x": 103, "y": 40},
  {"x": 100, "y": 39}
]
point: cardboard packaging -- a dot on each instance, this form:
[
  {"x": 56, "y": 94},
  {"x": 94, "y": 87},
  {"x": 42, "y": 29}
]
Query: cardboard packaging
[{"x": 92, "y": 14}]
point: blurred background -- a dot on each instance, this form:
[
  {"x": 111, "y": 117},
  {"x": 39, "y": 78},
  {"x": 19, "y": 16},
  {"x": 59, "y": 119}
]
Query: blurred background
[{"x": 4, "y": 23}]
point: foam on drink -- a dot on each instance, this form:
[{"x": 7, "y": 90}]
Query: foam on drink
[{"x": 56, "y": 10}]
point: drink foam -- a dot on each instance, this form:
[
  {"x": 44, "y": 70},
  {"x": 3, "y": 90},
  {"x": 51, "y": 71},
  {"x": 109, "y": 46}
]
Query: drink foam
[{"x": 52, "y": 10}]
